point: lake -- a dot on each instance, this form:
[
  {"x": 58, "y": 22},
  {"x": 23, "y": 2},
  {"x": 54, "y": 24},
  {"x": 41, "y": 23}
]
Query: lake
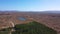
[{"x": 22, "y": 18}]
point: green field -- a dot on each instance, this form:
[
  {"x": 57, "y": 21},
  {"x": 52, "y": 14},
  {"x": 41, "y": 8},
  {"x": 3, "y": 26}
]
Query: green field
[{"x": 33, "y": 28}]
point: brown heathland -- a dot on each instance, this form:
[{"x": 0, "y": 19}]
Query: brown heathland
[{"x": 50, "y": 20}]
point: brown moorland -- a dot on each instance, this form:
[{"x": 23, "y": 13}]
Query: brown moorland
[{"x": 51, "y": 20}]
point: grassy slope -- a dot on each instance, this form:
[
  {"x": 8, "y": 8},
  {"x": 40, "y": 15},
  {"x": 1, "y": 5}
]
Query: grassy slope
[{"x": 33, "y": 28}]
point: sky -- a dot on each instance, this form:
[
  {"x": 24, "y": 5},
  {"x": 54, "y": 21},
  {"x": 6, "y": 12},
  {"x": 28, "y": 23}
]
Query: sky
[{"x": 30, "y": 5}]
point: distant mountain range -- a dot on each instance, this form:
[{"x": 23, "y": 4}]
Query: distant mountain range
[
  {"x": 51, "y": 11},
  {"x": 30, "y": 11}
]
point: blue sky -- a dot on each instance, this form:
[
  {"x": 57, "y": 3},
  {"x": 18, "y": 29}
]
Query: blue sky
[{"x": 30, "y": 5}]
